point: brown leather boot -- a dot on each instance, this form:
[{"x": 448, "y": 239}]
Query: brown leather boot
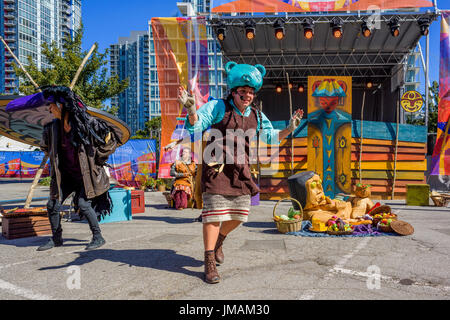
[
  {"x": 211, "y": 274},
  {"x": 220, "y": 257}
]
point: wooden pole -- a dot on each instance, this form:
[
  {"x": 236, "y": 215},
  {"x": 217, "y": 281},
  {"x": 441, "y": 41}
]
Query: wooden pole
[
  {"x": 396, "y": 149},
  {"x": 20, "y": 64},
  {"x": 292, "y": 134},
  {"x": 83, "y": 63},
  {"x": 44, "y": 160},
  {"x": 361, "y": 137}
]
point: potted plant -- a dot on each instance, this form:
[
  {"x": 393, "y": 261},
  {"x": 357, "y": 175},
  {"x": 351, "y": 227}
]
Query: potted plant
[
  {"x": 148, "y": 184},
  {"x": 160, "y": 185}
]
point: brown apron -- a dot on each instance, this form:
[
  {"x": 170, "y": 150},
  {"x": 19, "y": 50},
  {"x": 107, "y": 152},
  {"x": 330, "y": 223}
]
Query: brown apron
[{"x": 235, "y": 179}]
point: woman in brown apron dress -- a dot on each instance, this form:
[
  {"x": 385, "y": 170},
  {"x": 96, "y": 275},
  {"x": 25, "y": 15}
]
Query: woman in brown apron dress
[{"x": 227, "y": 184}]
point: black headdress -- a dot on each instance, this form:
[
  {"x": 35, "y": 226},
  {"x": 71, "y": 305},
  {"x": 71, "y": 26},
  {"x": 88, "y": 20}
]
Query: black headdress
[{"x": 86, "y": 129}]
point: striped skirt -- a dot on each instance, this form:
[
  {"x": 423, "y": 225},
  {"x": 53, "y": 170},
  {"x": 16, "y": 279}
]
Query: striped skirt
[{"x": 218, "y": 208}]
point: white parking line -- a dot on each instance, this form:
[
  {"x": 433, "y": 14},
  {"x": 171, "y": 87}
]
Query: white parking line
[
  {"x": 310, "y": 294},
  {"x": 21, "y": 292}
]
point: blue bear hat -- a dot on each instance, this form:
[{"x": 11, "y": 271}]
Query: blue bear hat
[{"x": 240, "y": 75}]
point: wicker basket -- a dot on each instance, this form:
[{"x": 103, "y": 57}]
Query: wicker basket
[
  {"x": 375, "y": 221},
  {"x": 169, "y": 198},
  {"x": 380, "y": 209},
  {"x": 440, "y": 200},
  {"x": 384, "y": 228},
  {"x": 285, "y": 226}
]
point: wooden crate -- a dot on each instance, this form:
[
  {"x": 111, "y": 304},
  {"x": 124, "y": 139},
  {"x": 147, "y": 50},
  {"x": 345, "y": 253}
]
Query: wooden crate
[
  {"x": 28, "y": 226},
  {"x": 137, "y": 201}
]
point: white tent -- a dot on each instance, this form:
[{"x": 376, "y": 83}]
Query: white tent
[{"x": 7, "y": 144}]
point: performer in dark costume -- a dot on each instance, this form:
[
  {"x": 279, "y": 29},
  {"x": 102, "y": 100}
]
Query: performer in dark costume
[
  {"x": 78, "y": 146},
  {"x": 227, "y": 187}
]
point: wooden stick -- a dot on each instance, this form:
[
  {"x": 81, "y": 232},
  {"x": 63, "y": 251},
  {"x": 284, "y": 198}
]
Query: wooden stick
[
  {"x": 20, "y": 64},
  {"x": 44, "y": 161},
  {"x": 72, "y": 85},
  {"x": 35, "y": 182},
  {"x": 361, "y": 138},
  {"x": 292, "y": 134},
  {"x": 396, "y": 150}
]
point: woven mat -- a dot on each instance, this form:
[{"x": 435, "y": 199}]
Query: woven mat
[{"x": 360, "y": 231}]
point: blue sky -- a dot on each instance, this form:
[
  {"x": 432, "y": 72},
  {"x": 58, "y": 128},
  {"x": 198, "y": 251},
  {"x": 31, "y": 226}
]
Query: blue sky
[{"x": 107, "y": 20}]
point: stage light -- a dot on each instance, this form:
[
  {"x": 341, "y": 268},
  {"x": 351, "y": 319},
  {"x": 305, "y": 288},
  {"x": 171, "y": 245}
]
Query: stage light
[
  {"x": 365, "y": 30},
  {"x": 290, "y": 85},
  {"x": 424, "y": 25},
  {"x": 279, "y": 29},
  {"x": 394, "y": 25},
  {"x": 369, "y": 84},
  {"x": 221, "y": 31},
  {"x": 308, "y": 28},
  {"x": 250, "y": 29},
  {"x": 301, "y": 88},
  {"x": 336, "y": 26},
  {"x": 278, "y": 89}
]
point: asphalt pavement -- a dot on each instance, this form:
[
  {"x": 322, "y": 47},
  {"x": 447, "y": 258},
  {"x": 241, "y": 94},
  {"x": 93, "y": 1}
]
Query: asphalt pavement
[{"x": 158, "y": 255}]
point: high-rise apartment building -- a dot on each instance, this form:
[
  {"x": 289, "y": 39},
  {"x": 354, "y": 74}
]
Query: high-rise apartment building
[
  {"x": 25, "y": 25},
  {"x": 130, "y": 59},
  {"x": 143, "y": 74}
]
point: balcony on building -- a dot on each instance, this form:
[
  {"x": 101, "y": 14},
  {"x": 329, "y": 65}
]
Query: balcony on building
[
  {"x": 186, "y": 8},
  {"x": 10, "y": 31},
  {"x": 10, "y": 39},
  {"x": 9, "y": 7},
  {"x": 8, "y": 15}
]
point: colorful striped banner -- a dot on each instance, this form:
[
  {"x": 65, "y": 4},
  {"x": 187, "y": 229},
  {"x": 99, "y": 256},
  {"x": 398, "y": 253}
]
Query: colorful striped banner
[
  {"x": 441, "y": 154},
  {"x": 182, "y": 60}
]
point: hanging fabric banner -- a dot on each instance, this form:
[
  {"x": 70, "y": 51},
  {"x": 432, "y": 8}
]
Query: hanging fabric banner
[
  {"x": 441, "y": 153},
  {"x": 181, "y": 49}
]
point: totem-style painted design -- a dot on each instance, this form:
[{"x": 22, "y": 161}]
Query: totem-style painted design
[{"x": 329, "y": 132}]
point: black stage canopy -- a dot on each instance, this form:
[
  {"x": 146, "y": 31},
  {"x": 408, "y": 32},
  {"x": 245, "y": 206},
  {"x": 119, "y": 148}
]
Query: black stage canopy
[{"x": 381, "y": 57}]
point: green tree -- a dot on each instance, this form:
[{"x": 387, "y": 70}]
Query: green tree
[
  {"x": 151, "y": 130},
  {"x": 94, "y": 86}
]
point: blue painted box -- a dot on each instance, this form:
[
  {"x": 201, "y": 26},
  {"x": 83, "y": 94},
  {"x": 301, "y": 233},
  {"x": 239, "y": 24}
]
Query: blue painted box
[{"x": 121, "y": 210}]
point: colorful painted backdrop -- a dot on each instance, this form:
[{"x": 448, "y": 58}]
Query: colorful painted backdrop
[
  {"x": 134, "y": 162},
  {"x": 21, "y": 164}
]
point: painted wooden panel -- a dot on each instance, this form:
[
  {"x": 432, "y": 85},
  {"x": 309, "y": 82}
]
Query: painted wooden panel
[
  {"x": 373, "y": 129},
  {"x": 401, "y": 143},
  {"x": 373, "y": 165},
  {"x": 379, "y": 174},
  {"x": 387, "y": 157}
]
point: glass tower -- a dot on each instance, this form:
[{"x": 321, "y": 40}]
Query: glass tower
[
  {"x": 130, "y": 59},
  {"x": 25, "y": 25}
]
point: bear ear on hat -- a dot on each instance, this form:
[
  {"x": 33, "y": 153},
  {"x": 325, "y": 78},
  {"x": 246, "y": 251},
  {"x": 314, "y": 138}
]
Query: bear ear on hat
[
  {"x": 230, "y": 65},
  {"x": 261, "y": 69}
]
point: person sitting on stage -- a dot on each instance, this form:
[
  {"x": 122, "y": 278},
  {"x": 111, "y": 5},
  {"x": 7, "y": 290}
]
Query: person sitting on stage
[
  {"x": 184, "y": 172},
  {"x": 78, "y": 146}
]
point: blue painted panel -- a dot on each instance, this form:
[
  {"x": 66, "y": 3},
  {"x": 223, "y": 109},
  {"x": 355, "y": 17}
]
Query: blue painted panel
[{"x": 371, "y": 130}]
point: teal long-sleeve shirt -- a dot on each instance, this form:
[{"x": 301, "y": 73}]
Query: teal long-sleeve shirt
[{"x": 213, "y": 112}]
